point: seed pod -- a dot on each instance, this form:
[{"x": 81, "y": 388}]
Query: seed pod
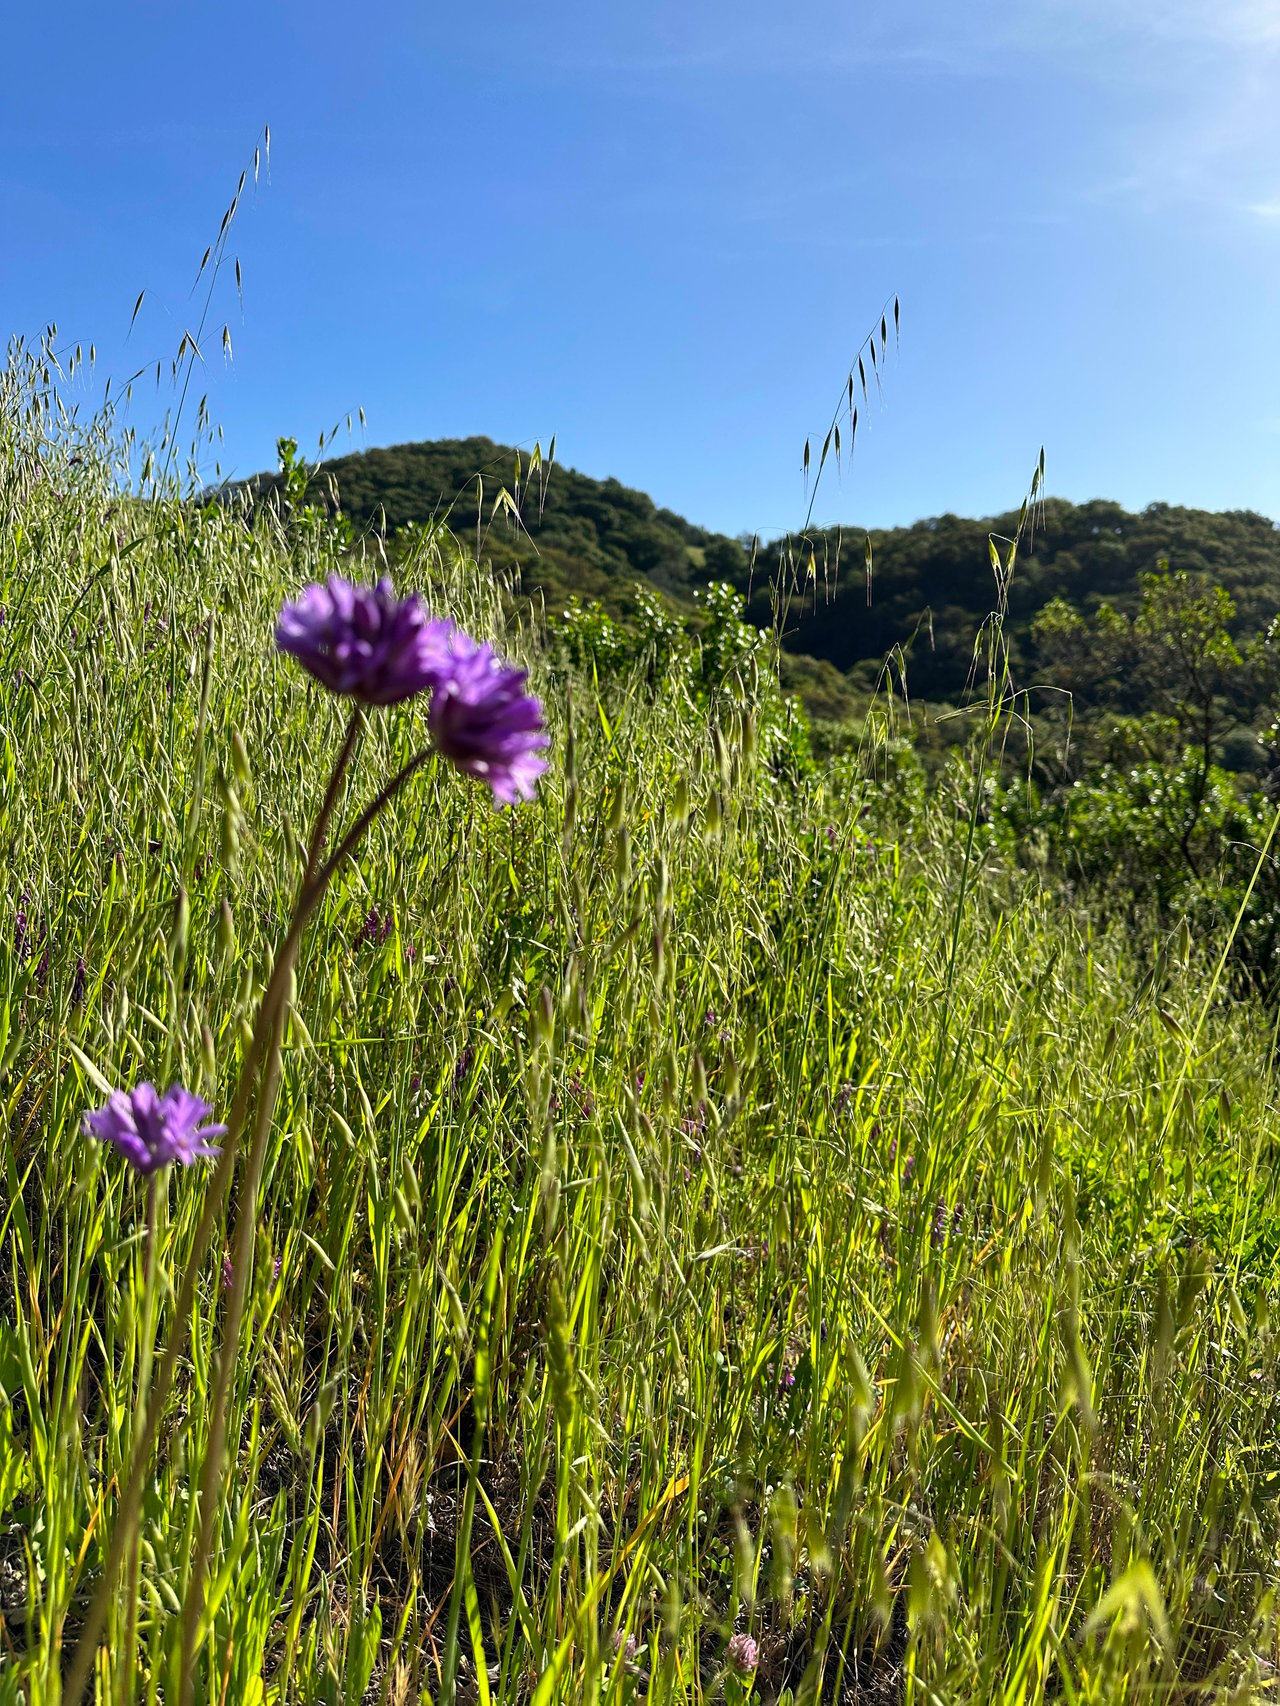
[
  {"x": 208, "y": 1057},
  {"x": 240, "y": 759},
  {"x": 226, "y": 931},
  {"x": 180, "y": 933},
  {"x": 544, "y": 1015},
  {"x": 412, "y": 1189},
  {"x": 622, "y": 857},
  {"x": 698, "y": 1079},
  {"x": 711, "y": 813},
  {"x": 230, "y": 847},
  {"x": 681, "y": 805},
  {"x": 617, "y": 803}
]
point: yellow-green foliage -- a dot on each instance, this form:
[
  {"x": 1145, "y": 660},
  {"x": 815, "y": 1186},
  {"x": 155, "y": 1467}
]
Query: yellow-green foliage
[{"x": 858, "y": 1252}]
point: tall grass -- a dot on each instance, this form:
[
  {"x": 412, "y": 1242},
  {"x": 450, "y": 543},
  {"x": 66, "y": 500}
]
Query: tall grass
[{"x": 703, "y": 1201}]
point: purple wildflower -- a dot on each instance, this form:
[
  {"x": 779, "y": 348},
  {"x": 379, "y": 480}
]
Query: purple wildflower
[
  {"x": 742, "y": 1654},
  {"x": 228, "y": 1273},
  {"x": 908, "y": 1169},
  {"x": 80, "y": 982},
  {"x": 485, "y": 723},
  {"x": 462, "y": 1068},
  {"x": 375, "y": 928},
  {"x": 788, "y": 1380},
  {"x": 151, "y": 1131},
  {"x": 365, "y": 642},
  {"x": 624, "y": 1645}
]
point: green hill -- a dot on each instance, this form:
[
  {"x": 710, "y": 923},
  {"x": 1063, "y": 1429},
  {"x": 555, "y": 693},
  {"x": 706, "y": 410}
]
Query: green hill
[{"x": 930, "y": 588}]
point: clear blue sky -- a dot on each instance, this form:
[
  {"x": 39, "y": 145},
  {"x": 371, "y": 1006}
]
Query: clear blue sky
[{"x": 660, "y": 231}]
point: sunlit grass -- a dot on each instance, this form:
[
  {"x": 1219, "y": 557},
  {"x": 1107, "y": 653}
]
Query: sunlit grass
[{"x": 874, "y": 1262}]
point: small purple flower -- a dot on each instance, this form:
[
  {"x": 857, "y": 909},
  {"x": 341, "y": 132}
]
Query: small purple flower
[
  {"x": 151, "y": 1131},
  {"x": 80, "y": 982},
  {"x": 364, "y": 641},
  {"x": 485, "y": 723},
  {"x": 742, "y": 1654},
  {"x": 375, "y": 928},
  {"x": 624, "y": 1645},
  {"x": 462, "y": 1068},
  {"x": 228, "y": 1273},
  {"x": 787, "y": 1381}
]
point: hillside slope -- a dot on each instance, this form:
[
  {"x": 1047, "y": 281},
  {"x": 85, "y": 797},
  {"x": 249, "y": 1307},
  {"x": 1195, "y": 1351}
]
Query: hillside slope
[{"x": 931, "y": 585}]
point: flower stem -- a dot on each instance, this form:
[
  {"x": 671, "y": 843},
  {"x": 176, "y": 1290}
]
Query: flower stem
[
  {"x": 241, "y": 1263},
  {"x": 309, "y": 896}
]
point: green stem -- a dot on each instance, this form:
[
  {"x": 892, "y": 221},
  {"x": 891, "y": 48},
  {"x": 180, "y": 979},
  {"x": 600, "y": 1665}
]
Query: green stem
[{"x": 309, "y": 897}]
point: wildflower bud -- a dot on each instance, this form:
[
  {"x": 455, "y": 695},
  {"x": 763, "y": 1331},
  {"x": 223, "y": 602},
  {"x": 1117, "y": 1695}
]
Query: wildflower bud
[
  {"x": 226, "y": 931},
  {"x": 208, "y": 1057},
  {"x": 181, "y": 931},
  {"x": 240, "y": 758}
]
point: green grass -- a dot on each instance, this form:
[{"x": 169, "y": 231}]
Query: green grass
[{"x": 846, "y": 1242}]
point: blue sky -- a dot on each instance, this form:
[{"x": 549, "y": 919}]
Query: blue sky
[{"x": 661, "y": 231}]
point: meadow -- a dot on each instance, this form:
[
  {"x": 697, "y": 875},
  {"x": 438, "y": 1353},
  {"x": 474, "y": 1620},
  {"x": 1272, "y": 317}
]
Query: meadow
[{"x": 724, "y": 1231}]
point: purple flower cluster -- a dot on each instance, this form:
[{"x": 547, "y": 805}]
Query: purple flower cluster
[
  {"x": 152, "y": 1131},
  {"x": 369, "y": 645},
  {"x": 742, "y": 1654},
  {"x": 364, "y": 642}
]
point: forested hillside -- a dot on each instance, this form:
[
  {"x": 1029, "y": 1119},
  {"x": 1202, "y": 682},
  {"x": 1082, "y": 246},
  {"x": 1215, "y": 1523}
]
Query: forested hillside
[{"x": 929, "y": 588}]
